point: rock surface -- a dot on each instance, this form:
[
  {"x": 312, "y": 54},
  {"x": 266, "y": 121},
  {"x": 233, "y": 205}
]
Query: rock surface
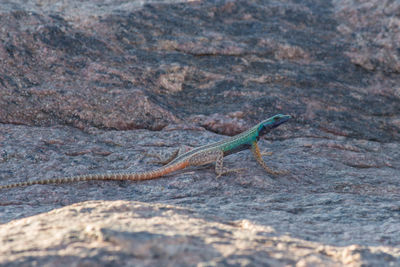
[
  {"x": 89, "y": 87},
  {"x": 164, "y": 235}
]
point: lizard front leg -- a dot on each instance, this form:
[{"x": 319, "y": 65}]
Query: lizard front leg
[{"x": 258, "y": 156}]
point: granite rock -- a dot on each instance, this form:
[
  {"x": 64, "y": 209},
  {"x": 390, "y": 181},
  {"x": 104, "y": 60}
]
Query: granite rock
[{"x": 97, "y": 86}]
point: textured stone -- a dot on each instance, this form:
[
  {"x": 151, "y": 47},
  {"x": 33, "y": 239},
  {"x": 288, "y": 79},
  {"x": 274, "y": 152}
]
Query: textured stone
[
  {"x": 128, "y": 65},
  {"x": 338, "y": 204},
  {"x": 140, "y": 234},
  {"x": 92, "y": 86}
]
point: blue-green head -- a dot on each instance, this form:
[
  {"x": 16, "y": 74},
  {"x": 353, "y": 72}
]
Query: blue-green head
[{"x": 271, "y": 123}]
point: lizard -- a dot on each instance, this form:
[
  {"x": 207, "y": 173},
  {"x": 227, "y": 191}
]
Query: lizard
[{"x": 206, "y": 154}]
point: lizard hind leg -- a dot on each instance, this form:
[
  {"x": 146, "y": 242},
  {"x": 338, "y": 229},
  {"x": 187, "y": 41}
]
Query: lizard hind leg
[
  {"x": 258, "y": 156},
  {"x": 219, "y": 166},
  {"x": 164, "y": 160}
]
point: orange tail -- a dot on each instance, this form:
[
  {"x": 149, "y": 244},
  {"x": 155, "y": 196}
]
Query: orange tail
[{"x": 140, "y": 176}]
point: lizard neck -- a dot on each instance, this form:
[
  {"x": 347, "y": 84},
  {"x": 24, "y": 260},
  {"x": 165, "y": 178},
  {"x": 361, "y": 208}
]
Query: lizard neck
[{"x": 240, "y": 142}]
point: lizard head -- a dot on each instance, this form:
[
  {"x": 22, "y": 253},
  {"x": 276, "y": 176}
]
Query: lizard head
[{"x": 273, "y": 122}]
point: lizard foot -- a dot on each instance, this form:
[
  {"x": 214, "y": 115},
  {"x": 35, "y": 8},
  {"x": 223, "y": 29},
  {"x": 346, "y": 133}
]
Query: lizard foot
[{"x": 226, "y": 171}]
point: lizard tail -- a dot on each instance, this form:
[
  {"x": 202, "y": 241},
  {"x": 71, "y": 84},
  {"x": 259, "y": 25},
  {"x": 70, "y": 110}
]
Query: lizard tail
[{"x": 140, "y": 176}]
